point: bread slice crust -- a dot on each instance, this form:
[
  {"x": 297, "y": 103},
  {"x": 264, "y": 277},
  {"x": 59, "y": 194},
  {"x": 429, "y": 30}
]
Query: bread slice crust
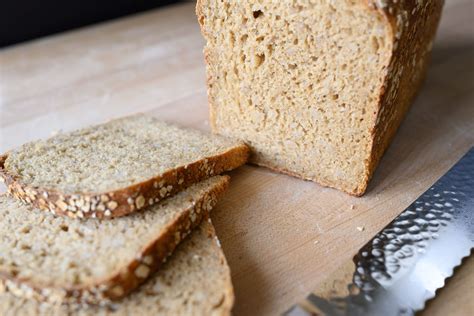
[
  {"x": 125, "y": 200},
  {"x": 121, "y": 282}
]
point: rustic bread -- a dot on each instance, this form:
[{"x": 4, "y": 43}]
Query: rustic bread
[
  {"x": 58, "y": 258},
  {"x": 115, "y": 168},
  {"x": 317, "y": 89},
  {"x": 194, "y": 281}
]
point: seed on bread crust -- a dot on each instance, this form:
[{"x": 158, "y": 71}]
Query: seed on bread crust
[
  {"x": 86, "y": 208},
  {"x": 140, "y": 202},
  {"x": 101, "y": 207},
  {"x": 142, "y": 271},
  {"x": 117, "y": 290},
  {"x": 62, "y": 205},
  {"x": 112, "y": 205},
  {"x": 147, "y": 260}
]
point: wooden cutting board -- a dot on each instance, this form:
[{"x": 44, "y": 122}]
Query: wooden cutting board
[{"x": 281, "y": 235}]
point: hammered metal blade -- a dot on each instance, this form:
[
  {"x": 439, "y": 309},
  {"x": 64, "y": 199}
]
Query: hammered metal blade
[{"x": 403, "y": 265}]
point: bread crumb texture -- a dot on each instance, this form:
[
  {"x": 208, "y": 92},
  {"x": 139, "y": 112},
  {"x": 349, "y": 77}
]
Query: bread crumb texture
[
  {"x": 48, "y": 252},
  {"x": 194, "y": 281},
  {"x": 304, "y": 83},
  {"x": 111, "y": 156}
]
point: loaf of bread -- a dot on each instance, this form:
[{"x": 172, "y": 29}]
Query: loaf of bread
[
  {"x": 195, "y": 281},
  {"x": 115, "y": 168},
  {"x": 56, "y": 258},
  {"x": 316, "y": 88}
]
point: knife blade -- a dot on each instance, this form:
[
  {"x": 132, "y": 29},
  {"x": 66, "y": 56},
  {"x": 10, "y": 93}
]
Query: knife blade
[{"x": 401, "y": 268}]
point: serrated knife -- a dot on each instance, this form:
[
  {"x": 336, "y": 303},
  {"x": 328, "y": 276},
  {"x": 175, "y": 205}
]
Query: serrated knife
[{"x": 401, "y": 268}]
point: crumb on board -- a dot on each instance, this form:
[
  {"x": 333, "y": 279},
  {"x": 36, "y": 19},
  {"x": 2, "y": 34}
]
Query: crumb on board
[
  {"x": 352, "y": 206},
  {"x": 316, "y": 242},
  {"x": 360, "y": 228}
]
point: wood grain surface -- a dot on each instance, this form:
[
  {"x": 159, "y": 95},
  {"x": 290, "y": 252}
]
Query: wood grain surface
[{"x": 281, "y": 235}]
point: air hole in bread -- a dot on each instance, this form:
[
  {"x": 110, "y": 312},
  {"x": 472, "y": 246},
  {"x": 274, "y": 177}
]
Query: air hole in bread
[
  {"x": 232, "y": 38},
  {"x": 72, "y": 265},
  {"x": 14, "y": 272},
  {"x": 259, "y": 59},
  {"x": 270, "y": 49},
  {"x": 25, "y": 247},
  {"x": 257, "y": 14}
]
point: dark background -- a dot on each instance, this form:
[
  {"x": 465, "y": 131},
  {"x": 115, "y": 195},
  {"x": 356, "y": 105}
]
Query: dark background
[{"x": 22, "y": 20}]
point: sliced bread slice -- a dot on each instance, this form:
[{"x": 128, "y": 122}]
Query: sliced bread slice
[
  {"x": 56, "y": 258},
  {"x": 195, "y": 281},
  {"x": 115, "y": 168}
]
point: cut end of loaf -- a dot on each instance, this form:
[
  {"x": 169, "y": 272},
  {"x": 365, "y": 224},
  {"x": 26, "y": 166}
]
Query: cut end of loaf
[{"x": 299, "y": 82}]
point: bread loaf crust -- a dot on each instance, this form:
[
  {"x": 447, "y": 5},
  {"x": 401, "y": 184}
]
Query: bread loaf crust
[
  {"x": 122, "y": 282},
  {"x": 126, "y": 200},
  {"x": 413, "y": 26}
]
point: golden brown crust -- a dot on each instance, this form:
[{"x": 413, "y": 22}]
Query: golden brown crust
[
  {"x": 127, "y": 200},
  {"x": 122, "y": 282},
  {"x": 413, "y": 25}
]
